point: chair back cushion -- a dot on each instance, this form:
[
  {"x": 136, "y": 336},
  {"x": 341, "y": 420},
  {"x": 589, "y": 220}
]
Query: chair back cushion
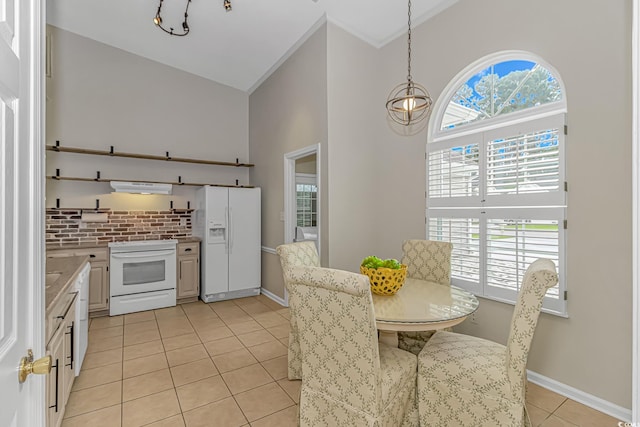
[
  {"x": 428, "y": 260},
  {"x": 298, "y": 254},
  {"x": 337, "y": 334},
  {"x": 540, "y": 276},
  {"x": 291, "y": 255}
]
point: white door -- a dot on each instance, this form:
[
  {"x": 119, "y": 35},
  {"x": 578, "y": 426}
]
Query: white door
[
  {"x": 21, "y": 209},
  {"x": 244, "y": 238}
]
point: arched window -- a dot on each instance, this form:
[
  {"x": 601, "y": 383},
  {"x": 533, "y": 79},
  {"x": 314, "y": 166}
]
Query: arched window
[{"x": 496, "y": 183}]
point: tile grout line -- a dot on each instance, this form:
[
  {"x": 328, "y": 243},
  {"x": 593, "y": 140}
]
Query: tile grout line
[
  {"x": 122, "y": 382},
  {"x": 201, "y": 342},
  {"x": 234, "y": 395}
]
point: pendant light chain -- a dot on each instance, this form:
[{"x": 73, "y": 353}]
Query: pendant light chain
[
  {"x": 409, "y": 45},
  {"x": 409, "y": 103}
]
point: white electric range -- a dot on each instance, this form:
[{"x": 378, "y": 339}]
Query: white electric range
[{"x": 142, "y": 275}]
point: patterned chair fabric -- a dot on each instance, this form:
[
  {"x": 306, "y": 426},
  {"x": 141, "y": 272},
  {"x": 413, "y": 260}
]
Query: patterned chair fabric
[
  {"x": 469, "y": 381},
  {"x": 426, "y": 260},
  {"x": 296, "y": 255},
  {"x": 349, "y": 379}
]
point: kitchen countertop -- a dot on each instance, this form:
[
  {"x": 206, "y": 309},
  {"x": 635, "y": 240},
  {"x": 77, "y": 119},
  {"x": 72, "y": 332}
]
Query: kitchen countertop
[
  {"x": 188, "y": 239},
  {"x": 89, "y": 245},
  {"x": 59, "y": 275},
  {"x": 80, "y": 245}
]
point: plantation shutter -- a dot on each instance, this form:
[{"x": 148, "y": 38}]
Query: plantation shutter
[
  {"x": 525, "y": 164},
  {"x": 499, "y": 196},
  {"x": 513, "y": 240},
  {"x": 464, "y": 233}
]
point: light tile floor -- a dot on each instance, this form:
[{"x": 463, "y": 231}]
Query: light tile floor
[{"x": 218, "y": 365}]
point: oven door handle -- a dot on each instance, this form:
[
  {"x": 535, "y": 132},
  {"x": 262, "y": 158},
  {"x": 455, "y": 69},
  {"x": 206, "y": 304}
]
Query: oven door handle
[{"x": 129, "y": 255}]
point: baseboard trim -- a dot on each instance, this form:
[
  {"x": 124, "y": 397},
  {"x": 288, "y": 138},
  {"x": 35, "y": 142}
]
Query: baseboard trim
[
  {"x": 273, "y": 297},
  {"x": 587, "y": 399},
  {"x": 269, "y": 250}
]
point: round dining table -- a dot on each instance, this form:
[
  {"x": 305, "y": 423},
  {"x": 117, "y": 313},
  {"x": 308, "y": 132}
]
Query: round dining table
[{"x": 421, "y": 305}]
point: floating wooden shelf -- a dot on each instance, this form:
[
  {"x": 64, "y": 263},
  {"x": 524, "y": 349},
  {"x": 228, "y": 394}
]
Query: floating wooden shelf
[
  {"x": 74, "y": 178},
  {"x": 107, "y": 210},
  {"x": 167, "y": 158}
]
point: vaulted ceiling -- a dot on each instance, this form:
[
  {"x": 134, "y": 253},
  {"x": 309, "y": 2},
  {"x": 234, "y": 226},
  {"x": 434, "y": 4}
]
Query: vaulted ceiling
[{"x": 238, "y": 48}]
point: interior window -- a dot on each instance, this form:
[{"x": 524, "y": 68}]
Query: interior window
[
  {"x": 496, "y": 185},
  {"x": 498, "y": 89}
]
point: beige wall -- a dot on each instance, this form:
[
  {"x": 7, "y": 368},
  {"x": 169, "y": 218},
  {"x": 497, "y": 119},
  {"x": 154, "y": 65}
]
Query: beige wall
[
  {"x": 100, "y": 96},
  {"x": 286, "y": 113},
  {"x": 590, "y": 48},
  {"x": 356, "y": 119},
  {"x": 306, "y": 164}
]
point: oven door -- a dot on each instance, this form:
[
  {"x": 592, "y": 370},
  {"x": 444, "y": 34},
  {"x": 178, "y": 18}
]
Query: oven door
[{"x": 136, "y": 272}]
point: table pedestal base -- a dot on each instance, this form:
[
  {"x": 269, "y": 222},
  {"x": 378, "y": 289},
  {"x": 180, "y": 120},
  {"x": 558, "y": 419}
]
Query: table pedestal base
[{"x": 389, "y": 338}]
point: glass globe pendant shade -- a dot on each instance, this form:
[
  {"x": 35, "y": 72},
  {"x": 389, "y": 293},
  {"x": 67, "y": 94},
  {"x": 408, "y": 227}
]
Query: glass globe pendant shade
[{"x": 408, "y": 103}]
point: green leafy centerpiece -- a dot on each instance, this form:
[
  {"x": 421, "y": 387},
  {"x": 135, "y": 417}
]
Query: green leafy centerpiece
[{"x": 386, "y": 276}]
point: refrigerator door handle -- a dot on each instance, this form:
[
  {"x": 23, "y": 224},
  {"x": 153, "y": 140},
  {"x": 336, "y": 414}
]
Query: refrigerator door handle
[
  {"x": 226, "y": 237},
  {"x": 230, "y": 231}
]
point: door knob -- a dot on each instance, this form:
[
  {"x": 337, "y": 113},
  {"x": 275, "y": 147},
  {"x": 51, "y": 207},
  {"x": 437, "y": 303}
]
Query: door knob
[{"x": 28, "y": 366}]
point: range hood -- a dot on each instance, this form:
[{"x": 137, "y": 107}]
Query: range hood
[{"x": 141, "y": 187}]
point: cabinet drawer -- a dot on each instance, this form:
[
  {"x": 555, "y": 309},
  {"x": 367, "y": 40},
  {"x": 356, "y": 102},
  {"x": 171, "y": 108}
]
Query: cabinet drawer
[
  {"x": 59, "y": 254},
  {"x": 188, "y": 248},
  {"x": 94, "y": 254}
]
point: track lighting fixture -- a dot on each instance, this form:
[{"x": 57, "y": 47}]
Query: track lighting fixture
[
  {"x": 157, "y": 20},
  {"x": 185, "y": 26}
]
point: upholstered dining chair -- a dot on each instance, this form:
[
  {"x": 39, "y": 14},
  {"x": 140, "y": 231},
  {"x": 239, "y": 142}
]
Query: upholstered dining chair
[
  {"x": 425, "y": 260},
  {"x": 291, "y": 255},
  {"x": 348, "y": 378},
  {"x": 469, "y": 381}
]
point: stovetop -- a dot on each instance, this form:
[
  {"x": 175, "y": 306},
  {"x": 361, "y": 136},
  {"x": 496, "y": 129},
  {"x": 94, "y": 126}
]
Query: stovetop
[{"x": 143, "y": 245}]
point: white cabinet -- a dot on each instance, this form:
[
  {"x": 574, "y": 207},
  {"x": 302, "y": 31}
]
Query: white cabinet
[
  {"x": 60, "y": 346},
  {"x": 188, "y": 279},
  {"x": 99, "y": 286},
  {"x": 55, "y": 379}
]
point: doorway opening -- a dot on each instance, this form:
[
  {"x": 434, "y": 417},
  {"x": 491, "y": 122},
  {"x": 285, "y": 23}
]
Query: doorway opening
[{"x": 302, "y": 196}]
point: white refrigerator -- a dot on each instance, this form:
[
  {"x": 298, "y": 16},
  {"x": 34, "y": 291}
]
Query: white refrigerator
[{"x": 228, "y": 222}]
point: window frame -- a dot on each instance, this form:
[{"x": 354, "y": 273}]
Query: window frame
[
  {"x": 440, "y": 106},
  {"x": 307, "y": 179},
  {"x": 549, "y": 205}
]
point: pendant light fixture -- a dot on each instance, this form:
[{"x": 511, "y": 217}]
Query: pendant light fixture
[{"x": 408, "y": 103}]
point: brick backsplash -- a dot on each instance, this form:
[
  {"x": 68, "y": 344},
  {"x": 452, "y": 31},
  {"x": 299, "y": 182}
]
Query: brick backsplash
[{"x": 66, "y": 226}]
